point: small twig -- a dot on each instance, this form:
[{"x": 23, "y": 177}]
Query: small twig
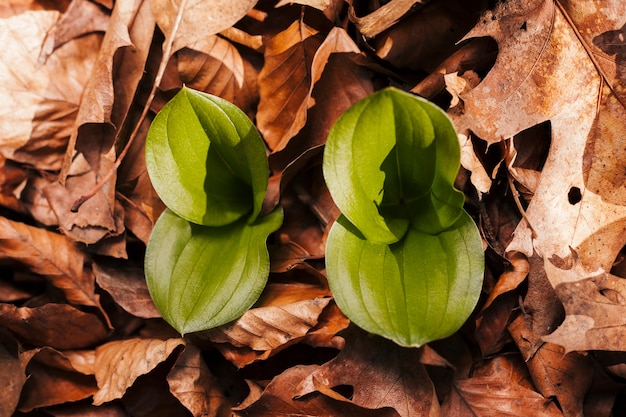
[{"x": 167, "y": 50}]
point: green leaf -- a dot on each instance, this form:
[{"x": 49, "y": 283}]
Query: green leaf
[
  {"x": 390, "y": 161},
  {"x": 206, "y": 159},
  {"x": 201, "y": 277},
  {"x": 419, "y": 289}
]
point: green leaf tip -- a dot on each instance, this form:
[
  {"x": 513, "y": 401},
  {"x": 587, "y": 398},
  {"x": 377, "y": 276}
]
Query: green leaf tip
[
  {"x": 206, "y": 159},
  {"x": 404, "y": 260}
]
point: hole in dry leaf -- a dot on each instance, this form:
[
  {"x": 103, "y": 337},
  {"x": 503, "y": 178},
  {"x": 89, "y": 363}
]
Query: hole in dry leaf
[
  {"x": 346, "y": 391},
  {"x": 532, "y": 146},
  {"x": 523, "y": 27},
  {"x": 619, "y": 265},
  {"x": 574, "y": 195}
]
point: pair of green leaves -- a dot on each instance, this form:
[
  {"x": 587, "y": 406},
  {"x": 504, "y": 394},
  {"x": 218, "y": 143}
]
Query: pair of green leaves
[
  {"x": 206, "y": 262},
  {"x": 404, "y": 260}
]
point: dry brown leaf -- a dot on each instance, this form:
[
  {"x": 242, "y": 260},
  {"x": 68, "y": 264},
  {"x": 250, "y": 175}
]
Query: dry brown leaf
[
  {"x": 278, "y": 400},
  {"x": 550, "y": 76},
  {"x": 384, "y": 17},
  {"x": 118, "y": 364},
  {"x": 317, "y": 4},
  {"x": 14, "y": 377},
  {"x": 51, "y": 255},
  {"x": 199, "y": 19},
  {"x": 194, "y": 385},
  {"x": 285, "y": 82},
  {"x": 595, "y": 308},
  {"x": 53, "y": 380},
  {"x": 393, "y": 377},
  {"x": 56, "y": 325},
  {"x": 215, "y": 66},
  {"x": 38, "y": 107},
  {"x": 284, "y": 314},
  {"x": 127, "y": 285},
  {"x": 438, "y": 25},
  {"x": 496, "y": 397}
]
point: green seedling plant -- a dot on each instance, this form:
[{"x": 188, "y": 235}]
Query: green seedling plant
[
  {"x": 404, "y": 259},
  {"x": 207, "y": 262}
]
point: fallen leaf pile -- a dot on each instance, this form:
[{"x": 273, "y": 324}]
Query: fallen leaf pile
[{"x": 537, "y": 92}]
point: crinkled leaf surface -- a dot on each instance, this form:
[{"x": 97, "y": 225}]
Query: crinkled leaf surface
[
  {"x": 206, "y": 160},
  {"x": 201, "y": 277},
  {"x": 391, "y": 160},
  {"x": 419, "y": 289}
]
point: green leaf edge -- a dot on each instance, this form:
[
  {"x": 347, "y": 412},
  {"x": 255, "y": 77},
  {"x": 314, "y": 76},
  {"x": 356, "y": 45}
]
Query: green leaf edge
[{"x": 174, "y": 238}]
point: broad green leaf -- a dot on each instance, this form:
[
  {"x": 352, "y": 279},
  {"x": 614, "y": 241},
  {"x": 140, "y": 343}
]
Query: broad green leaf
[
  {"x": 390, "y": 161},
  {"x": 419, "y": 289},
  {"x": 201, "y": 277},
  {"x": 206, "y": 160}
]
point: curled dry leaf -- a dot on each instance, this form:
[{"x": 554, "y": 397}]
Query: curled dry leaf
[
  {"x": 284, "y": 314},
  {"x": 14, "y": 377},
  {"x": 199, "y": 19},
  {"x": 118, "y": 364},
  {"x": 394, "y": 377},
  {"x": 278, "y": 399},
  {"x": 285, "y": 82},
  {"x": 38, "y": 326},
  {"x": 191, "y": 381},
  {"x": 37, "y": 117},
  {"x": 215, "y": 66},
  {"x": 51, "y": 255},
  {"x": 127, "y": 286},
  {"x": 52, "y": 380}
]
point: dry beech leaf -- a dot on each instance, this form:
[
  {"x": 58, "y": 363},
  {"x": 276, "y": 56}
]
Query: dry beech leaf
[
  {"x": 550, "y": 76},
  {"x": 194, "y": 385},
  {"x": 317, "y": 4},
  {"x": 494, "y": 396},
  {"x": 118, "y": 364},
  {"x": 39, "y": 103},
  {"x": 384, "y": 17},
  {"x": 39, "y": 326},
  {"x": 53, "y": 380},
  {"x": 127, "y": 286},
  {"x": 51, "y": 255},
  {"x": 200, "y": 19},
  {"x": 284, "y": 314},
  {"x": 278, "y": 400},
  {"x": 215, "y": 66},
  {"x": 438, "y": 25},
  {"x": 393, "y": 377},
  {"x": 285, "y": 82},
  {"x": 14, "y": 377}
]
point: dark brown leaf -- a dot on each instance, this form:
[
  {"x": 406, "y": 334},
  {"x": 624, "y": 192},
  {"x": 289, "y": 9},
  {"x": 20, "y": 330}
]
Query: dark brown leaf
[{"x": 56, "y": 325}]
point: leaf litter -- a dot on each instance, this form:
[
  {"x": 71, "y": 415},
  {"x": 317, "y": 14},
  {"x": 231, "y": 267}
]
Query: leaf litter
[{"x": 536, "y": 91}]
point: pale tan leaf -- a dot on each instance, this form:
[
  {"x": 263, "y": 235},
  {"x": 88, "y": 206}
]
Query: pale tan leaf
[
  {"x": 550, "y": 76},
  {"x": 37, "y": 106},
  {"x": 595, "y": 308},
  {"x": 479, "y": 177},
  {"x": 118, "y": 364},
  {"x": 200, "y": 19},
  {"x": 194, "y": 385},
  {"x": 285, "y": 83},
  {"x": 384, "y": 17},
  {"x": 317, "y": 4}
]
